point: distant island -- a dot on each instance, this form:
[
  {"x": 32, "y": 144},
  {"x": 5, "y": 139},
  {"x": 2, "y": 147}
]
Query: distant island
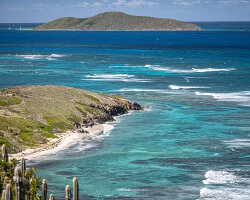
[
  {"x": 33, "y": 116},
  {"x": 118, "y": 21}
]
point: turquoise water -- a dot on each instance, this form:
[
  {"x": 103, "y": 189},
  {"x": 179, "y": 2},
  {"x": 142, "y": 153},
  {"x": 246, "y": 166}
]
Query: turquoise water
[{"x": 191, "y": 142}]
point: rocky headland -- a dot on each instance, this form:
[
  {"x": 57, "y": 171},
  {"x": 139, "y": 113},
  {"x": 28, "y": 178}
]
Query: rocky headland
[{"x": 33, "y": 116}]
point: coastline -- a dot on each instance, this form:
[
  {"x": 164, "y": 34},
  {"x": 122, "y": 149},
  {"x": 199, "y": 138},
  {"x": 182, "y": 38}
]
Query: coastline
[
  {"x": 65, "y": 140},
  {"x": 56, "y": 145}
]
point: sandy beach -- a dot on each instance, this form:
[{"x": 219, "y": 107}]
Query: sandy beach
[{"x": 59, "y": 144}]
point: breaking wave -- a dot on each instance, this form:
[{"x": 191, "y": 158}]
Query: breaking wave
[
  {"x": 225, "y": 185},
  {"x": 220, "y": 177},
  {"x": 193, "y": 70},
  {"x": 39, "y": 57},
  {"x": 116, "y": 78},
  {"x": 176, "y": 87},
  {"x": 243, "y": 98},
  {"x": 238, "y": 143}
]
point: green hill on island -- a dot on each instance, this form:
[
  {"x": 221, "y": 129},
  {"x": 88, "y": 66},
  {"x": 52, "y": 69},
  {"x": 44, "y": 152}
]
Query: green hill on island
[
  {"x": 29, "y": 115},
  {"x": 117, "y": 21}
]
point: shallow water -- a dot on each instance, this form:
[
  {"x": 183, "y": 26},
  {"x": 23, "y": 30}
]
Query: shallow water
[{"x": 192, "y": 141}]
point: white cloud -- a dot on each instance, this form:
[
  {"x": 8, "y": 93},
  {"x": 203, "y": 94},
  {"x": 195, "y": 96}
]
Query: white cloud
[
  {"x": 134, "y": 3},
  {"x": 186, "y": 2},
  {"x": 88, "y": 5},
  {"x": 234, "y": 2}
]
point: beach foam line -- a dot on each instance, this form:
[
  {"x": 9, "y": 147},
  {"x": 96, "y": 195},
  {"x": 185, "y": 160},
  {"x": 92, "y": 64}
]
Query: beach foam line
[
  {"x": 193, "y": 70},
  {"x": 98, "y": 133},
  {"x": 115, "y": 78},
  {"x": 243, "y": 97},
  {"x": 176, "y": 87}
]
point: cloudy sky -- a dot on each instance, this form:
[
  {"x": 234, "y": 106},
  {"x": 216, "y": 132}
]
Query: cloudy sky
[{"x": 187, "y": 10}]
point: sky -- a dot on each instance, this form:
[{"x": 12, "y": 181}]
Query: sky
[{"x": 32, "y": 11}]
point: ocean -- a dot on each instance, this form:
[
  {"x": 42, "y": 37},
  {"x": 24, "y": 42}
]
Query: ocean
[{"x": 192, "y": 141}]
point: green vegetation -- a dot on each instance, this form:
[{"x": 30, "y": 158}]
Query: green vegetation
[
  {"x": 117, "y": 21},
  {"x": 92, "y": 98},
  {"x": 30, "y": 115},
  {"x": 9, "y": 100},
  {"x": 30, "y": 181}
]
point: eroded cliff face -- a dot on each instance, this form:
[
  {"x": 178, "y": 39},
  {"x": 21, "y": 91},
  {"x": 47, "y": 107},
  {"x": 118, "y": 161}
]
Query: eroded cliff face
[{"x": 29, "y": 115}]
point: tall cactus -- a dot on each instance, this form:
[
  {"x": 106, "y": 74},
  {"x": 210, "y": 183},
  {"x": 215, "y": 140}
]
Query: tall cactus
[
  {"x": 3, "y": 195},
  {"x": 23, "y": 167},
  {"x": 68, "y": 192},
  {"x": 5, "y": 182},
  {"x": 4, "y": 153},
  {"x": 27, "y": 194},
  {"x": 31, "y": 195},
  {"x": 44, "y": 190},
  {"x": 75, "y": 189},
  {"x": 8, "y": 192},
  {"x": 18, "y": 184},
  {"x": 51, "y": 197}
]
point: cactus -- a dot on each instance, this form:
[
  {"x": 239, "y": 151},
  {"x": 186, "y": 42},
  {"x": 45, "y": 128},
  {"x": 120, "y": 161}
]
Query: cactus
[
  {"x": 5, "y": 182},
  {"x": 75, "y": 189},
  {"x": 4, "y": 153},
  {"x": 23, "y": 167},
  {"x": 31, "y": 195},
  {"x": 44, "y": 189},
  {"x": 8, "y": 192},
  {"x": 68, "y": 192},
  {"x": 25, "y": 188},
  {"x": 51, "y": 197},
  {"x": 18, "y": 184},
  {"x": 3, "y": 195}
]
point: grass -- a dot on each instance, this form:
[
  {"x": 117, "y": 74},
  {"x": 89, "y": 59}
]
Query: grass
[
  {"x": 29, "y": 115},
  {"x": 84, "y": 113},
  {"x": 92, "y": 98},
  {"x": 9, "y": 100},
  {"x": 3, "y": 140}
]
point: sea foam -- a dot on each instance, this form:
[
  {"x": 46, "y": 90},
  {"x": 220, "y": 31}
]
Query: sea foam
[
  {"x": 222, "y": 185},
  {"x": 193, "y": 70},
  {"x": 220, "y": 177},
  {"x": 222, "y": 193},
  {"x": 243, "y": 97},
  {"x": 161, "y": 91},
  {"x": 238, "y": 143},
  {"x": 116, "y": 78},
  {"x": 39, "y": 57},
  {"x": 176, "y": 87}
]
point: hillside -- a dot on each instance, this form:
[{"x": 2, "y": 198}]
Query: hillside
[
  {"x": 29, "y": 115},
  {"x": 117, "y": 21}
]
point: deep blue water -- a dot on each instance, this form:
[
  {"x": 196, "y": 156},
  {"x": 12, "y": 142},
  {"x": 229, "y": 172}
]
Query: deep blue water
[{"x": 193, "y": 140}]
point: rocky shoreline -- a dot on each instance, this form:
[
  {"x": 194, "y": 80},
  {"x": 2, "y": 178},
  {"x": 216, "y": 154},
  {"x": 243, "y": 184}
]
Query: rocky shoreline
[
  {"x": 32, "y": 116},
  {"x": 108, "y": 115}
]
